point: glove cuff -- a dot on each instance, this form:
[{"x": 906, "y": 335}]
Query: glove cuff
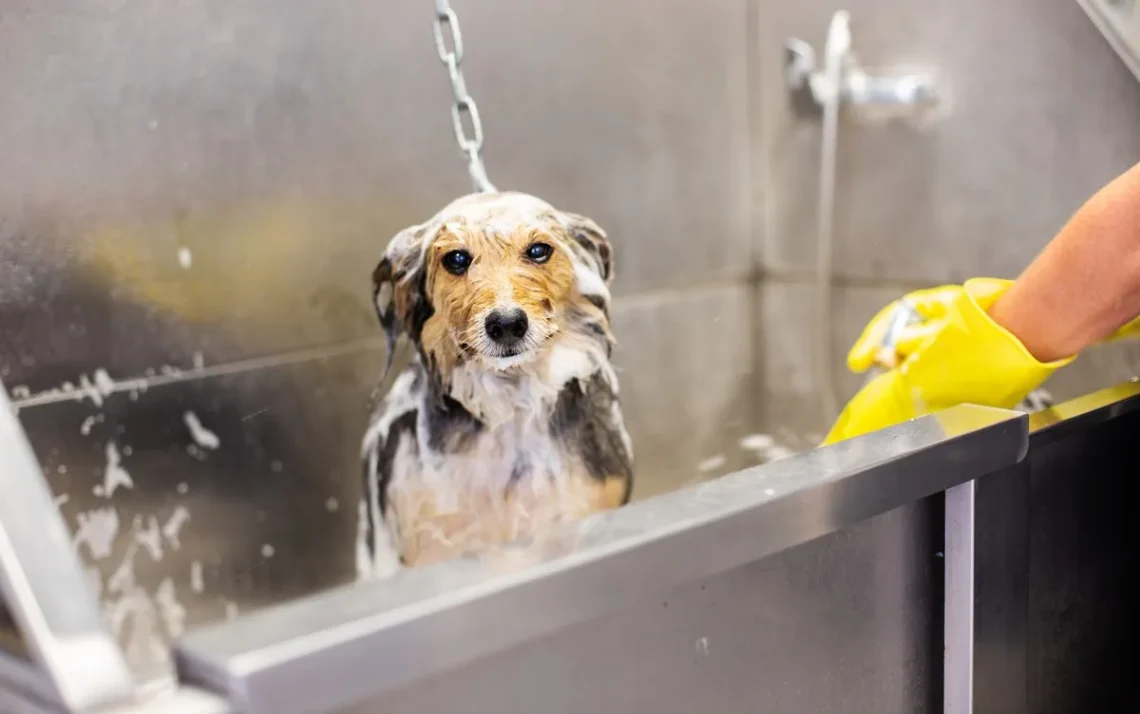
[
  {"x": 982, "y": 294},
  {"x": 974, "y": 359}
]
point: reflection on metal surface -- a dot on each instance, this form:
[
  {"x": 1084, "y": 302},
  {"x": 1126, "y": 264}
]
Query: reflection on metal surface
[
  {"x": 426, "y": 621},
  {"x": 42, "y": 584},
  {"x": 1101, "y": 405}
]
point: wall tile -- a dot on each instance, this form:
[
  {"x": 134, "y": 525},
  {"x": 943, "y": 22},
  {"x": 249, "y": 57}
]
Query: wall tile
[{"x": 1041, "y": 113}]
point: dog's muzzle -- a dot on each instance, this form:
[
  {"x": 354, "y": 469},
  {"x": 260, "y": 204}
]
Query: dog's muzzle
[{"x": 507, "y": 327}]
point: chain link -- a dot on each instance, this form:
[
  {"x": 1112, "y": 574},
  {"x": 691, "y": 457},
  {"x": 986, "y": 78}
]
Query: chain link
[{"x": 463, "y": 108}]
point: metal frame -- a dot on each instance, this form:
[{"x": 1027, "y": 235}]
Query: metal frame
[
  {"x": 42, "y": 584},
  {"x": 320, "y": 653},
  {"x": 1122, "y": 32}
]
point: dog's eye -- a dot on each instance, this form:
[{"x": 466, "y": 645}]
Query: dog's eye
[
  {"x": 539, "y": 252},
  {"x": 456, "y": 262}
]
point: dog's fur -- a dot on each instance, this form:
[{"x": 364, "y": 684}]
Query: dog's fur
[{"x": 476, "y": 445}]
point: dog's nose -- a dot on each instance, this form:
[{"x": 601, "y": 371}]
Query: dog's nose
[{"x": 506, "y": 327}]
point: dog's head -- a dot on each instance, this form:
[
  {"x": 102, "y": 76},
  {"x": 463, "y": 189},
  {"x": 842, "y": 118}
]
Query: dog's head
[{"x": 494, "y": 279}]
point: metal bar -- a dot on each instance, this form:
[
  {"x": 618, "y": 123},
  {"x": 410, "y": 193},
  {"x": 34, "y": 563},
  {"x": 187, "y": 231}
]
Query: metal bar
[
  {"x": 427, "y": 621},
  {"x": 958, "y": 602},
  {"x": 43, "y": 585}
]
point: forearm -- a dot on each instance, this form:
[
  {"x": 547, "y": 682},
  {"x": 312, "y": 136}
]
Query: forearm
[{"x": 1086, "y": 283}]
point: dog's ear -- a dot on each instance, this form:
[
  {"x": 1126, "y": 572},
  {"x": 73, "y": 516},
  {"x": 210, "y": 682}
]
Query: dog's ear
[
  {"x": 399, "y": 287},
  {"x": 592, "y": 239}
]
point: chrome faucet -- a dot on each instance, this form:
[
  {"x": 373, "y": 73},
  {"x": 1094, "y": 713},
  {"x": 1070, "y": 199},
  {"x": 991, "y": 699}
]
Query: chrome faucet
[{"x": 901, "y": 94}]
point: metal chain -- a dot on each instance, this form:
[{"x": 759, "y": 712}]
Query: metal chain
[{"x": 463, "y": 106}]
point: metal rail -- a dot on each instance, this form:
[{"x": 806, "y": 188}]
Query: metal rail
[{"x": 320, "y": 653}]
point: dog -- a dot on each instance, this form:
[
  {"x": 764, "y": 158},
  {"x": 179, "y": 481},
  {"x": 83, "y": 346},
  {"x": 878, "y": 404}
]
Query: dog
[{"x": 506, "y": 422}]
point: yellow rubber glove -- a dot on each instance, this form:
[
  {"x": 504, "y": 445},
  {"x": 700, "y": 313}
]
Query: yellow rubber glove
[{"x": 954, "y": 354}]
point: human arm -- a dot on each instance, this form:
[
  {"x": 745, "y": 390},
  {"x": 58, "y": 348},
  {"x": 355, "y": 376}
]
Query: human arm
[
  {"x": 992, "y": 341},
  {"x": 1085, "y": 284}
]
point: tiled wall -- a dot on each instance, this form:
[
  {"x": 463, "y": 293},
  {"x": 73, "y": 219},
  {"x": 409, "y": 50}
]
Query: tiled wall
[
  {"x": 195, "y": 194},
  {"x": 1041, "y": 113}
]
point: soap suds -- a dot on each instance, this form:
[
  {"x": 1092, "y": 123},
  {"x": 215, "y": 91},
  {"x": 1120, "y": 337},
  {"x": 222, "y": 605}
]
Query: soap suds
[
  {"x": 197, "y": 581},
  {"x": 114, "y": 475},
  {"x": 711, "y": 464},
  {"x": 172, "y": 612},
  {"x": 757, "y": 442},
  {"x": 202, "y": 436},
  {"x": 97, "y": 529},
  {"x": 149, "y": 536},
  {"x": 173, "y": 528}
]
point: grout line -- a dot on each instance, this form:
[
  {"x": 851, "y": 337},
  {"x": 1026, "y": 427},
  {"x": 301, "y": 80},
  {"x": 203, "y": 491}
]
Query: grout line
[
  {"x": 755, "y": 278},
  {"x": 847, "y": 281},
  {"x": 104, "y": 386}
]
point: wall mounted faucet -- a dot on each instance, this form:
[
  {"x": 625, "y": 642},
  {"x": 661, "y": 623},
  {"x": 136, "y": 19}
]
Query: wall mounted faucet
[{"x": 889, "y": 94}]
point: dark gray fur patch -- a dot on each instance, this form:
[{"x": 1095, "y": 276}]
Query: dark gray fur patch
[
  {"x": 582, "y": 322},
  {"x": 385, "y": 456},
  {"x": 451, "y": 428},
  {"x": 583, "y": 423},
  {"x": 519, "y": 470}
]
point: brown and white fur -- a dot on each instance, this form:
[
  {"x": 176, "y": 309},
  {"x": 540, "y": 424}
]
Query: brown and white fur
[{"x": 507, "y": 420}]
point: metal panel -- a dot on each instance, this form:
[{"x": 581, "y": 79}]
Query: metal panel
[
  {"x": 1084, "y": 548},
  {"x": 428, "y": 621},
  {"x": 1054, "y": 554},
  {"x": 845, "y": 624},
  {"x": 220, "y": 177},
  {"x": 44, "y": 588}
]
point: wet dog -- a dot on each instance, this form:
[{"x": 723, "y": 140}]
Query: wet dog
[{"x": 507, "y": 421}]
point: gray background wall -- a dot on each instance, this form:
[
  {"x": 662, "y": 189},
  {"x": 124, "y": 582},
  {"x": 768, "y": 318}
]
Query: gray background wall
[{"x": 283, "y": 143}]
